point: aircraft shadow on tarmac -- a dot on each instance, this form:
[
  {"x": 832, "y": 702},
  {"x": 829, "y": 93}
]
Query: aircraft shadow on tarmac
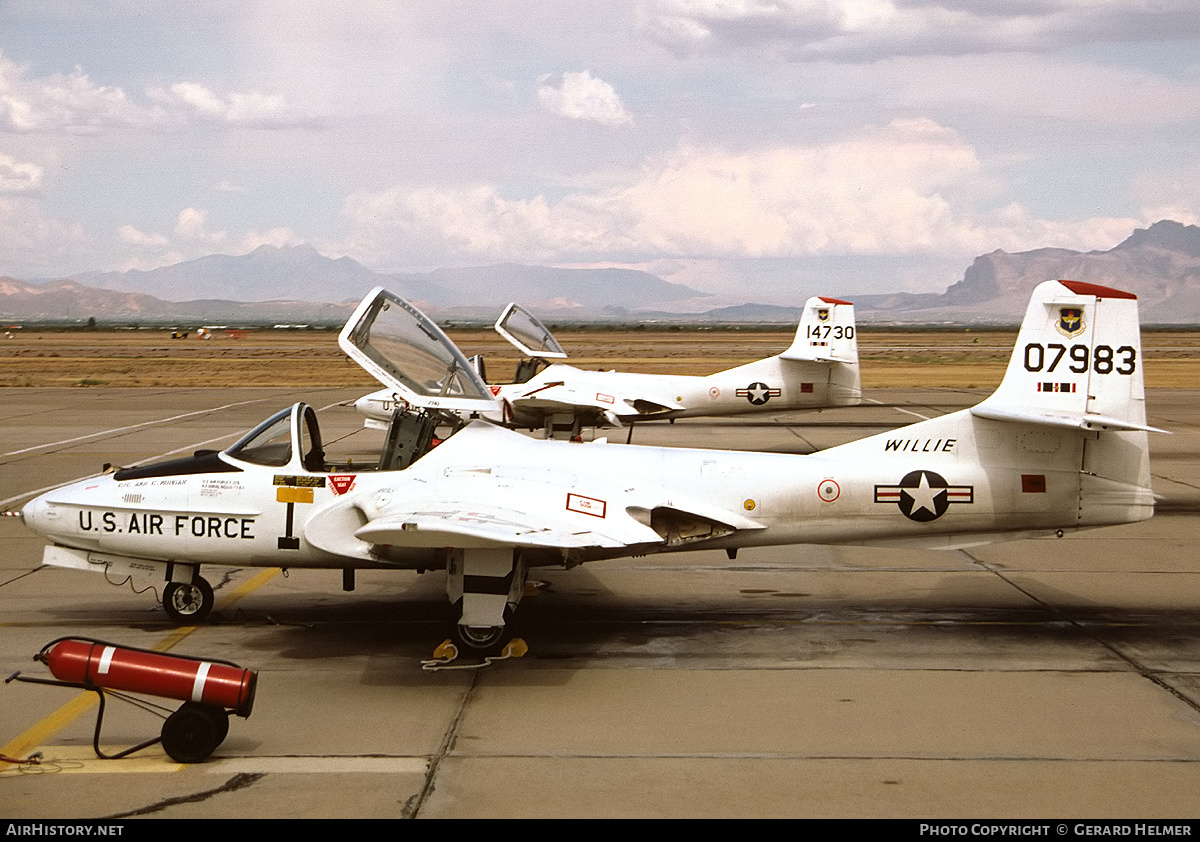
[{"x": 734, "y": 622}]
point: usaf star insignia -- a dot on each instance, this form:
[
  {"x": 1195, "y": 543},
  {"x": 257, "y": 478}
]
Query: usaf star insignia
[
  {"x": 759, "y": 393},
  {"x": 923, "y": 495}
]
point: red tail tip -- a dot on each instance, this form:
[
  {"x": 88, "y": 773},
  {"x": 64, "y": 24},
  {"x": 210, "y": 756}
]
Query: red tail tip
[{"x": 1080, "y": 288}]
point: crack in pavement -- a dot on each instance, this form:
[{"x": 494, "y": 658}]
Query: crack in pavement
[{"x": 238, "y": 781}]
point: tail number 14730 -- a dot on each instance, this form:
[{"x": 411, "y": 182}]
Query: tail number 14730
[{"x": 826, "y": 331}]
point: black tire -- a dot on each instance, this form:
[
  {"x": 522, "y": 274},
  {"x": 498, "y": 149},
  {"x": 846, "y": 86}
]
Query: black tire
[
  {"x": 186, "y": 603},
  {"x": 192, "y": 733},
  {"x": 482, "y": 641},
  {"x": 220, "y": 718}
]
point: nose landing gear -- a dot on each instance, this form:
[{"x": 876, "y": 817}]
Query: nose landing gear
[{"x": 187, "y": 603}]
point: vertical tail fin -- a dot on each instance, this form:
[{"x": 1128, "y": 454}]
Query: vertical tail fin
[
  {"x": 826, "y": 332},
  {"x": 1077, "y": 362}
]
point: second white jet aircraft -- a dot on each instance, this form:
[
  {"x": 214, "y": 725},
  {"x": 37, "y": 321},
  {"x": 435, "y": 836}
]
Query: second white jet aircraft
[{"x": 819, "y": 369}]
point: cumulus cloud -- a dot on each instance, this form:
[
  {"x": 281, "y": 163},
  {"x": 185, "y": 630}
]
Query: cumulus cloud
[
  {"x": 192, "y": 237},
  {"x": 193, "y": 225},
  {"x": 63, "y": 103},
  {"x": 251, "y": 109},
  {"x": 132, "y": 236},
  {"x": 582, "y": 96},
  {"x": 72, "y": 103},
  {"x": 909, "y": 187},
  {"x": 870, "y": 29},
  {"x": 17, "y": 176},
  {"x": 278, "y": 237}
]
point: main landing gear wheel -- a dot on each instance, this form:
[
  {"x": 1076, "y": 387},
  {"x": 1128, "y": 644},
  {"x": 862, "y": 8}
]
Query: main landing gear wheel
[
  {"x": 192, "y": 733},
  {"x": 473, "y": 647},
  {"x": 481, "y": 640},
  {"x": 188, "y": 603}
]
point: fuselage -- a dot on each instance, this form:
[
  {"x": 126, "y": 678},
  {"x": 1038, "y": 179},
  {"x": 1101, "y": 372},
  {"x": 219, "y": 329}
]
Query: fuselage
[
  {"x": 765, "y": 385},
  {"x": 931, "y": 489},
  {"x": 771, "y": 384}
]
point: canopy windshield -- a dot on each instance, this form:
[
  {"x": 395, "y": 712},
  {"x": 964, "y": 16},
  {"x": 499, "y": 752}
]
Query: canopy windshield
[
  {"x": 270, "y": 443},
  {"x": 526, "y": 332},
  {"x": 406, "y": 351}
]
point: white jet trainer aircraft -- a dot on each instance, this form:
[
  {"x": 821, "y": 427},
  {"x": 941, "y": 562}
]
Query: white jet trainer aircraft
[
  {"x": 819, "y": 369},
  {"x": 1060, "y": 446}
]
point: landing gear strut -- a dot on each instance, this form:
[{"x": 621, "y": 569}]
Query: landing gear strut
[{"x": 484, "y": 586}]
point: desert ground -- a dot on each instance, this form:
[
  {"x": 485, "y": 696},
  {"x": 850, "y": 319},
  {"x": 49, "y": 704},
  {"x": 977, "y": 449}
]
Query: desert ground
[{"x": 962, "y": 358}]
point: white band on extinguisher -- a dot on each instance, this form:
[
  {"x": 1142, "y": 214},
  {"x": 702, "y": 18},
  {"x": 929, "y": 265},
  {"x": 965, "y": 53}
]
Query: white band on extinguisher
[
  {"x": 198, "y": 684},
  {"x": 105, "y": 660}
]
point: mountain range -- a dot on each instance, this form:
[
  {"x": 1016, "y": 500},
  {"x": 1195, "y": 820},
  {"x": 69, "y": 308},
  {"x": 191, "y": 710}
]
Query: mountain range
[
  {"x": 307, "y": 275},
  {"x": 1160, "y": 264}
]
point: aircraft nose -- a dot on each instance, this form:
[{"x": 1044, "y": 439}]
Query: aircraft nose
[
  {"x": 36, "y": 514},
  {"x": 374, "y": 405}
]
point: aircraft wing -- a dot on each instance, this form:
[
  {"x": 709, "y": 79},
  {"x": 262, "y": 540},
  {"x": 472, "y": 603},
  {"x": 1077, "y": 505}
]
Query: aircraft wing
[
  {"x": 473, "y": 526},
  {"x": 463, "y": 496},
  {"x": 562, "y": 388}
]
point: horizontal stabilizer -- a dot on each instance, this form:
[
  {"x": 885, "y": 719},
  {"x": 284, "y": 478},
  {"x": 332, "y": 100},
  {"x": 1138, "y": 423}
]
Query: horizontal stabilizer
[{"x": 1080, "y": 421}]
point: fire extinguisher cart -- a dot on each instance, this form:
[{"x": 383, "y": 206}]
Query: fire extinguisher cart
[{"x": 210, "y": 690}]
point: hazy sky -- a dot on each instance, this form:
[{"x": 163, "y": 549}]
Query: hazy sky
[{"x": 756, "y": 148}]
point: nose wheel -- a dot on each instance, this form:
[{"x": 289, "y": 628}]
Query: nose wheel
[{"x": 187, "y": 603}]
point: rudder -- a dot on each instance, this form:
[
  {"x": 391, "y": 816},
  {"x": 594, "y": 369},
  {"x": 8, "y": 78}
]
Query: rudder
[{"x": 1077, "y": 361}]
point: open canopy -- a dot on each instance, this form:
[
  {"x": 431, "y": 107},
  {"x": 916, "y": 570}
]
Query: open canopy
[
  {"x": 527, "y": 334},
  {"x": 406, "y": 351}
]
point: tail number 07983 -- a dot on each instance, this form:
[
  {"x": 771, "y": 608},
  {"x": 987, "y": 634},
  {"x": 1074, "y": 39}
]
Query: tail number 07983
[{"x": 1102, "y": 359}]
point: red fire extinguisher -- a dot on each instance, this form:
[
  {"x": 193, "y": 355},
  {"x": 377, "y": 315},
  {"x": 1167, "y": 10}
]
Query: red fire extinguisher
[
  {"x": 156, "y": 674},
  {"x": 209, "y": 689}
]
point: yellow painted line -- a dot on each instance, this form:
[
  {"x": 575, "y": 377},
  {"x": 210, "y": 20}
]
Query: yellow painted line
[
  {"x": 33, "y": 737},
  {"x": 236, "y": 595},
  {"x": 82, "y": 759},
  {"x": 38, "y": 734}
]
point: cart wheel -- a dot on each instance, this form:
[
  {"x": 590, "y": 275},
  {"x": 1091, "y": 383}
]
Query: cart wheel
[{"x": 192, "y": 733}]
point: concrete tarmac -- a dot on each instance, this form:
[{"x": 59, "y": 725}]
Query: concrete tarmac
[{"x": 1032, "y": 679}]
